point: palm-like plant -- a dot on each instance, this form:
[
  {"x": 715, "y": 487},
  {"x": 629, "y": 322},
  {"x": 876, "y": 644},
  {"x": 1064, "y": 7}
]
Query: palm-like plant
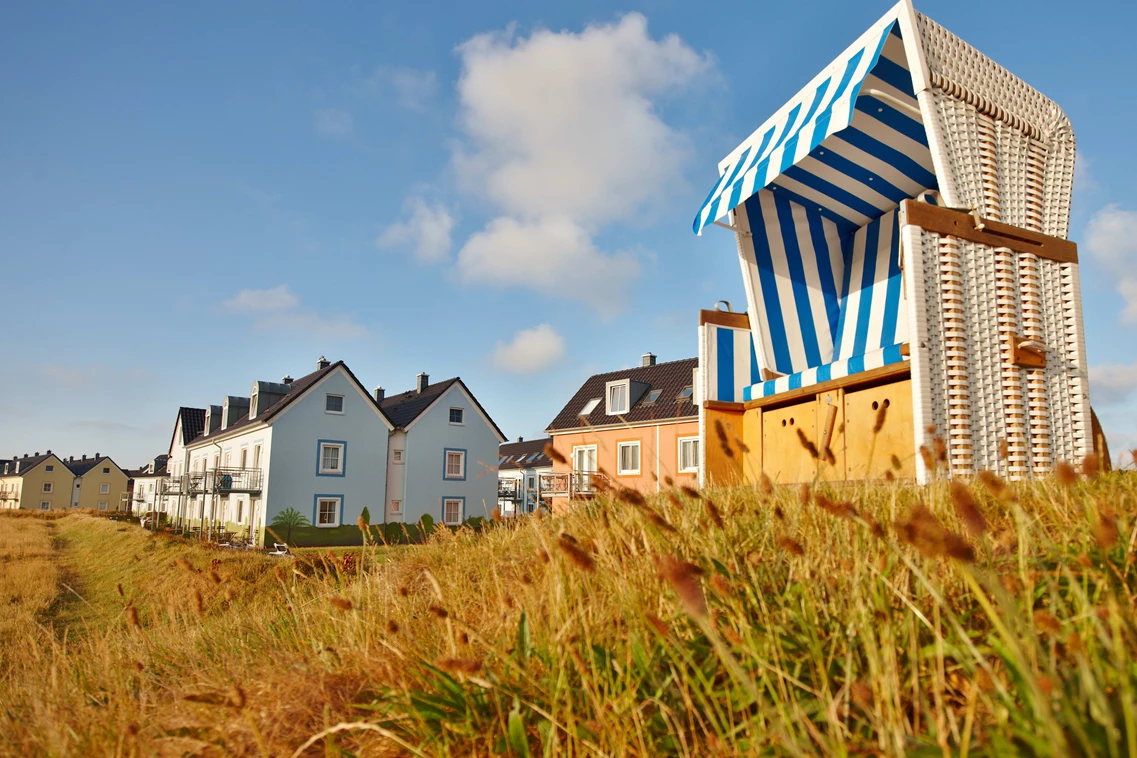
[{"x": 289, "y": 518}]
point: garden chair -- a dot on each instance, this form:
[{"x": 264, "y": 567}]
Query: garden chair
[
  {"x": 279, "y": 548},
  {"x": 901, "y": 225}
]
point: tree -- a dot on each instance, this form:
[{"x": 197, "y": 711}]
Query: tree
[
  {"x": 289, "y": 518},
  {"x": 366, "y": 516}
]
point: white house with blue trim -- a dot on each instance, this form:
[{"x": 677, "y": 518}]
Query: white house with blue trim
[{"x": 443, "y": 454}]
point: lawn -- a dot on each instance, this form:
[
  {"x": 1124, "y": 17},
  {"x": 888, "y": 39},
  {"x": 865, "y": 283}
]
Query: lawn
[{"x": 886, "y": 619}]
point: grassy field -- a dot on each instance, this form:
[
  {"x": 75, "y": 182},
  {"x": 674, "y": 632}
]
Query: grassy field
[{"x": 881, "y": 620}]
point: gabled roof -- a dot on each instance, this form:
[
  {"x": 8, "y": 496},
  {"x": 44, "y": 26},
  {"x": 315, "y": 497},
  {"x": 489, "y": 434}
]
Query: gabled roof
[
  {"x": 527, "y": 454},
  {"x": 81, "y": 467},
  {"x": 193, "y": 421},
  {"x": 669, "y": 378},
  {"x": 299, "y": 387},
  {"x": 405, "y": 407},
  {"x": 27, "y": 463}
]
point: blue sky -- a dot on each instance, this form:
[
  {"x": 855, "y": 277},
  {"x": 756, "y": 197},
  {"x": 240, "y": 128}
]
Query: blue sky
[{"x": 194, "y": 196}]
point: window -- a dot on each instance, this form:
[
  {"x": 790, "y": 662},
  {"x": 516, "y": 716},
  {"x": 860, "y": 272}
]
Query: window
[
  {"x": 106, "y": 470},
  {"x": 617, "y": 396},
  {"x": 47, "y": 487},
  {"x": 104, "y": 489},
  {"x": 244, "y": 457},
  {"x": 333, "y": 404},
  {"x": 256, "y": 456},
  {"x": 396, "y": 506},
  {"x": 457, "y": 416},
  {"x": 455, "y": 464},
  {"x": 49, "y": 468},
  {"x": 240, "y": 511},
  {"x": 151, "y": 486},
  {"x": 628, "y": 458},
  {"x": 253, "y": 405},
  {"x": 328, "y": 511},
  {"x": 452, "y": 511},
  {"x": 45, "y": 505},
  {"x": 686, "y": 393},
  {"x": 688, "y": 454},
  {"x": 653, "y": 396},
  {"x": 397, "y": 456},
  {"x": 331, "y": 458},
  {"x": 102, "y": 505},
  {"x": 590, "y": 406}
]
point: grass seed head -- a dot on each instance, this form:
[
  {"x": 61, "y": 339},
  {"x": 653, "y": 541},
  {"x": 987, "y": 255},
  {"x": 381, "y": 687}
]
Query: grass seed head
[
  {"x": 926, "y": 454},
  {"x": 576, "y": 554},
  {"x": 803, "y": 494},
  {"x": 779, "y": 514},
  {"x": 118, "y": 589},
  {"x": 198, "y": 603},
  {"x": 940, "y": 448},
  {"x": 807, "y": 444},
  {"x": 895, "y": 461},
  {"x": 924, "y": 532},
  {"x": 654, "y": 517},
  {"x": 861, "y": 695},
  {"x": 713, "y": 512},
  {"x": 439, "y": 612},
  {"x": 658, "y": 624},
  {"x": 237, "y": 697},
  {"x": 466, "y": 666},
  {"x": 631, "y": 497},
  {"x": 183, "y": 563},
  {"x": 132, "y": 616},
  {"x": 1091, "y": 466},
  {"x": 1105, "y": 531},
  {"x": 683, "y": 577},
  {"x": 554, "y": 454},
  {"x": 690, "y": 492},
  {"x": 724, "y": 441},
  {"x": 1047, "y": 623},
  {"x": 791, "y": 546},
  {"x": 881, "y": 415},
  {"x": 392, "y": 626},
  {"x": 340, "y": 603},
  {"x": 1065, "y": 474},
  {"x": 765, "y": 485},
  {"x": 994, "y": 484},
  {"x": 667, "y": 480},
  {"x": 1004, "y": 449},
  {"x": 967, "y": 508}
]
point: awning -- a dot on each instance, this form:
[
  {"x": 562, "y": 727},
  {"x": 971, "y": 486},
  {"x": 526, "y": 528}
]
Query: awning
[{"x": 850, "y": 144}]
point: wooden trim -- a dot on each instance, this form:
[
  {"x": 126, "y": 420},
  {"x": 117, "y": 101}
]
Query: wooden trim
[
  {"x": 994, "y": 233},
  {"x": 723, "y": 318},
  {"x": 723, "y": 405},
  {"x": 891, "y": 371},
  {"x": 1026, "y": 356}
]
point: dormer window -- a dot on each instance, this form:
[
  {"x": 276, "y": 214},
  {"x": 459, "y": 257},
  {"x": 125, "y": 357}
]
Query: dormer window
[
  {"x": 253, "y": 406},
  {"x": 616, "y": 397},
  {"x": 208, "y": 419}
]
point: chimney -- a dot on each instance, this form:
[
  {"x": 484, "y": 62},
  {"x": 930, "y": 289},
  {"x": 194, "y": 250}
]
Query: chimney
[
  {"x": 380, "y": 393},
  {"x": 286, "y": 380},
  {"x": 322, "y": 363},
  {"x": 423, "y": 381},
  {"x": 647, "y": 360},
  {"x": 97, "y": 456},
  {"x": 84, "y": 456},
  {"x": 37, "y": 453},
  {"x": 520, "y": 439}
]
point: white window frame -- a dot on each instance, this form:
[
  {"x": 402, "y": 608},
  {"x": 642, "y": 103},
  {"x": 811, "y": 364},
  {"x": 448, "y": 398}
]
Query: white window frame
[
  {"x": 327, "y": 397},
  {"x": 679, "y": 455},
  {"x": 590, "y": 406},
  {"x": 337, "y": 504},
  {"x": 620, "y": 470},
  {"x": 461, "y": 506},
  {"x": 396, "y": 507},
  {"x": 398, "y": 456},
  {"x": 462, "y": 465},
  {"x": 103, "y": 505},
  {"x": 339, "y": 446},
  {"x": 461, "y": 411},
  {"x": 626, "y": 385},
  {"x": 257, "y": 455},
  {"x": 43, "y": 503},
  {"x": 104, "y": 489},
  {"x": 47, "y": 488}
]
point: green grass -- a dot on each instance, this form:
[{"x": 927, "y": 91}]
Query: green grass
[{"x": 800, "y": 626}]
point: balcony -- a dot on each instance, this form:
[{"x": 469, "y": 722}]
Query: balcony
[
  {"x": 220, "y": 481},
  {"x": 509, "y": 490},
  {"x": 572, "y": 484},
  {"x": 10, "y": 495}
]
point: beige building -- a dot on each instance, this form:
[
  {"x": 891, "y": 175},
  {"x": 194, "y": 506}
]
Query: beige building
[
  {"x": 36, "y": 482},
  {"x": 99, "y": 485}
]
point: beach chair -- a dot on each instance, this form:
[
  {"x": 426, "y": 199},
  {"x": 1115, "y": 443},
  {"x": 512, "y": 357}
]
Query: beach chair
[
  {"x": 279, "y": 548},
  {"x": 913, "y": 303}
]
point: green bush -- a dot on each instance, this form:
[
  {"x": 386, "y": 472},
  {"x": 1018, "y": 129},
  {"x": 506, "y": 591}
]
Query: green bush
[{"x": 366, "y": 516}]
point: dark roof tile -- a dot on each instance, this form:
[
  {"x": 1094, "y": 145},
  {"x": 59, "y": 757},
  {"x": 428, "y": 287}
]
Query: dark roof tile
[
  {"x": 518, "y": 454},
  {"x": 670, "y": 378}
]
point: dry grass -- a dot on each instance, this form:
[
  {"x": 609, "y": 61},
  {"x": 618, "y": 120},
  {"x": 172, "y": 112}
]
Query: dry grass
[{"x": 872, "y": 620}]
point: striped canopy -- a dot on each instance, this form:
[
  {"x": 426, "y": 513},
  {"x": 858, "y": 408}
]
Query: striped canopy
[{"x": 851, "y": 144}]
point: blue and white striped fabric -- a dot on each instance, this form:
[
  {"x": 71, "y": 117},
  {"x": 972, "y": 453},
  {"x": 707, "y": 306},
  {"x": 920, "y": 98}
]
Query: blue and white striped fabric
[
  {"x": 872, "y": 322},
  {"x": 837, "y": 146},
  {"x": 730, "y": 362}
]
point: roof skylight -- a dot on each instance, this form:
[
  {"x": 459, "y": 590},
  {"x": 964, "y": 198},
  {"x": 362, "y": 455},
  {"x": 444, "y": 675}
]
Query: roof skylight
[{"x": 590, "y": 406}]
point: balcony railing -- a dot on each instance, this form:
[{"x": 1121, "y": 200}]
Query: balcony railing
[
  {"x": 220, "y": 481},
  {"x": 10, "y": 495},
  {"x": 509, "y": 489},
  {"x": 572, "y": 483}
]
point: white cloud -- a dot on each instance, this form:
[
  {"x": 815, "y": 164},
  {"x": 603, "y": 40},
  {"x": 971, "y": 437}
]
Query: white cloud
[
  {"x": 427, "y": 230},
  {"x": 278, "y": 298},
  {"x": 278, "y": 309},
  {"x": 1112, "y": 383},
  {"x": 334, "y": 122},
  {"x": 562, "y": 133},
  {"x": 1084, "y": 178},
  {"x": 552, "y": 255},
  {"x": 414, "y": 89},
  {"x": 532, "y": 351},
  {"x": 1111, "y": 240}
]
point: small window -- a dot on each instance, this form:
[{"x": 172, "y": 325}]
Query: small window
[
  {"x": 106, "y": 470},
  {"x": 396, "y": 506},
  {"x": 328, "y": 512},
  {"x": 102, "y": 505},
  {"x": 331, "y": 458},
  {"x": 397, "y": 456},
  {"x": 590, "y": 406},
  {"x": 455, "y": 464},
  {"x": 652, "y": 396},
  {"x": 688, "y": 454},
  {"x": 151, "y": 486},
  {"x": 49, "y": 468},
  {"x": 240, "y": 511},
  {"x": 628, "y": 458},
  {"x": 457, "y": 416},
  {"x": 45, "y": 505},
  {"x": 47, "y": 487},
  {"x": 617, "y": 396},
  {"x": 452, "y": 512},
  {"x": 104, "y": 489},
  {"x": 334, "y": 404},
  {"x": 686, "y": 393}
]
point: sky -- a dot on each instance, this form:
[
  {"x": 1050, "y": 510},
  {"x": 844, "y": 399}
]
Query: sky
[{"x": 194, "y": 196}]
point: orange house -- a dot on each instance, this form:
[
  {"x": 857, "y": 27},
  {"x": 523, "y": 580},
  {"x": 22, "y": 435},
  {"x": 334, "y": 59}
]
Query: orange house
[{"x": 630, "y": 428}]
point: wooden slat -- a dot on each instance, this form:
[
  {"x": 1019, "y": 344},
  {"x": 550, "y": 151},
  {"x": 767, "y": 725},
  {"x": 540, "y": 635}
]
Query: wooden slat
[
  {"x": 723, "y": 318},
  {"x": 994, "y": 233},
  {"x": 856, "y": 380}
]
